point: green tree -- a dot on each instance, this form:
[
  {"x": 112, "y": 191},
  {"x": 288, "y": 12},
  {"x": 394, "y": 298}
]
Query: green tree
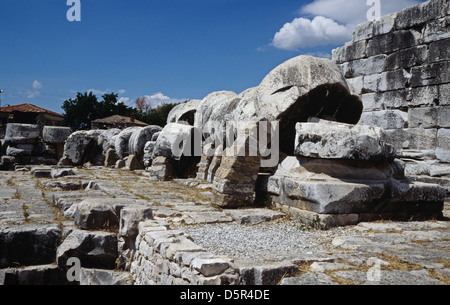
[
  {"x": 110, "y": 106},
  {"x": 85, "y": 108},
  {"x": 79, "y": 112}
]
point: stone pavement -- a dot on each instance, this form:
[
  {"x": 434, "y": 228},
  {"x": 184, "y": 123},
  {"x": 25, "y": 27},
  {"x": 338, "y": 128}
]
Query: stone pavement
[{"x": 368, "y": 253}]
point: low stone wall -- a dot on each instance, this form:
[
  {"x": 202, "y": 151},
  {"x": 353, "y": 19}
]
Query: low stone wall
[
  {"x": 399, "y": 65},
  {"x": 169, "y": 257},
  {"x": 32, "y": 144}
]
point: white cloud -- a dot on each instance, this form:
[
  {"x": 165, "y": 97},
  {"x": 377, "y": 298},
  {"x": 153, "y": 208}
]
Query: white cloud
[
  {"x": 121, "y": 91},
  {"x": 37, "y": 85},
  {"x": 125, "y": 100},
  {"x": 352, "y": 11},
  {"x": 332, "y": 22},
  {"x": 159, "y": 98},
  {"x": 97, "y": 91},
  {"x": 304, "y": 33},
  {"x": 31, "y": 94},
  {"x": 326, "y": 55}
]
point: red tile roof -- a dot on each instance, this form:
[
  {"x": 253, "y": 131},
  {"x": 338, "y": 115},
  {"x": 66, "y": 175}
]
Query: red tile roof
[{"x": 28, "y": 108}]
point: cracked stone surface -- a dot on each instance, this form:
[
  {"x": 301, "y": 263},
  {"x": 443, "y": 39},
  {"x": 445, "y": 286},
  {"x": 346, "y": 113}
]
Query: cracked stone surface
[{"x": 394, "y": 253}]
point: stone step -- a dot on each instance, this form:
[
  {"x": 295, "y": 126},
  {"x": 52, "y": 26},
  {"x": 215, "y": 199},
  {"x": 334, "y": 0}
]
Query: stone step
[
  {"x": 26, "y": 245},
  {"x": 34, "y": 275}
]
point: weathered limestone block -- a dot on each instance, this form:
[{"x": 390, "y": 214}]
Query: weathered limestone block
[
  {"x": 330, "y": 140},
  {"x": 176, "y": 141},
  {"x": 363, "y": 31},
  {"x": 347, "y": 191},
  {"x": 432, "y": 168},
  {"x": 356, "y": 85},
  {"x": 294, "y": 83},
  {"x": 432, "y": 74},
  {"x": 416, "y": 192},
  {"x": 133, "y": 163},
  {"x": 383, "y": 100},
  {"x": 120, "y": 164},
  {"x": 139, "y": 138},
  {"x": 63, "y": 185},
  {"x": 94, "y": 249},
  {"x": 62, "y": 172},
  {"x": 81, "y": 146},
  {"x": 267, "y": 274},
  {"x": 191, "y": 218},
  {"x": 350, "y": 51},
  {"x": 444, "y": 93},
  {"x": 107, "y": 139},
  {"x": 34, "y": 275},
  {"x": 310, "y": 279},
  {"x": 316, "y": 220},
  {"x": 111, "y": 157},
  {"x": 215, "y": 164},
  {"x": 205, "y": 162},
  {"x": 28, "y": 245},
  {"x": 100, "y": 213},
  {"x": 385, "y": 119},
  {"x": 41, "y": 172},
  {"x": 421, "y": 13},
  {"x": 413, "y": 138},
  {"x": 130, "y": 217},
  {"x": 212, "y": 266},
  {"x": 425, "y": 96},
  {"x": 162, "y": 169},
  {"x": 235, "y": 179},
  {"x": 184, "y": 112},
  {"x": 20, "y": 150},
  {"x": 372, "y": 65},
  {"x": 255, "y": 216},
  {"x": 90, "y": 277},
  {"x": 436, "y": 30},
  {"x": 429, "y": 117},
  {"x": 122, "y": 141},
  {"x": 406, "y": 58},
  {"x": 56, "y": 134},
  {"x": 170, "y": 247},
  {"x": 386, "y": 81},
  {"x": 22, "y": 133},
  {"x": 392, "y": 42},
  {"x": 212, "y": 110},
  {"x": 443, "y": 145},
  {"x": 439, "y": 51},
  {"x": 148, "y": 153},
  {"x": 379, "y": 26}
]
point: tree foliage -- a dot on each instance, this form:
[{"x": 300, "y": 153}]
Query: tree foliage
[
  {"x": 158, "y": 116},
  {"x": 85, "y": 108},
  {"x": 153, "y": 116}
]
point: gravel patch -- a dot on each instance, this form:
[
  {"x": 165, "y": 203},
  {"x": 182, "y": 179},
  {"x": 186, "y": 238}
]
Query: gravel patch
[{"x": 275, "y": 241}]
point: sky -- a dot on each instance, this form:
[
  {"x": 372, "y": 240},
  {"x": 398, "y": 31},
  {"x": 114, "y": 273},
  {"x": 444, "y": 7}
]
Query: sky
[{"x": 168, "y": 51}]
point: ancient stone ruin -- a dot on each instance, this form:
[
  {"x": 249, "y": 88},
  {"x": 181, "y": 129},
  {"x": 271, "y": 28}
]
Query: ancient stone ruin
[{"x": 324, "y": 143}]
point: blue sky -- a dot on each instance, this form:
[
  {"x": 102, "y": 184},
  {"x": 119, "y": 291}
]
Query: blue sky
[{"x": 166, "y": 50}]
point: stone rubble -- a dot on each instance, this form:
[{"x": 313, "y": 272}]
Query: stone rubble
[
  {"x": 362, "y": 138},
  {"x": 247, "y": 249}
]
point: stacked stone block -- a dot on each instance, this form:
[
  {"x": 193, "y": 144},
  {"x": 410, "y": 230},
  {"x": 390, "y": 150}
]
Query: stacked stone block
[
  {"x": 32, "y": 144},
  {"x": 399, "y": 65},
  {"x": 169, "y": 257}
]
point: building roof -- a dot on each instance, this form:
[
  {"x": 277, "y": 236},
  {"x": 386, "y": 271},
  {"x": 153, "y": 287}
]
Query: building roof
[
  {"x": 28, "y": 108},
  {"x": 119, "y": 119}
]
